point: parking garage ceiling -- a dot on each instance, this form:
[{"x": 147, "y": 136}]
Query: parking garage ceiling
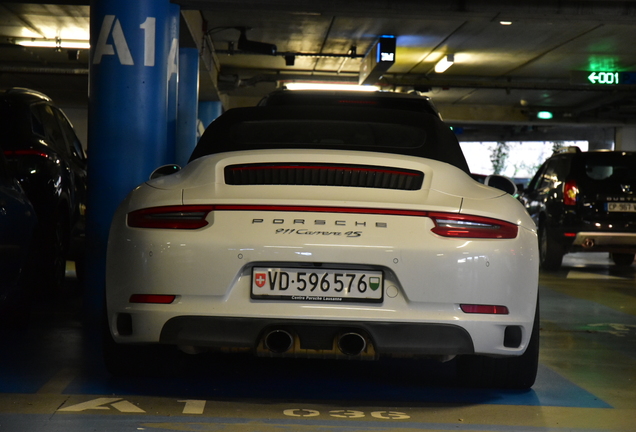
[{"x": 511, "y": 59}]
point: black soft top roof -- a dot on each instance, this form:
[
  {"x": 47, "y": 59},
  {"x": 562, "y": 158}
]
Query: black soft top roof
[
  {"x": 371, "y": 100},
  {"x": 388, "y": 131}
]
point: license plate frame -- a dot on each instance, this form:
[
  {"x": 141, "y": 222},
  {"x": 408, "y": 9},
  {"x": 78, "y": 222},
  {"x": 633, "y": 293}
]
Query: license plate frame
[
  {"x": 328, "y": 285},
  {"x": 621, "y": 207}
]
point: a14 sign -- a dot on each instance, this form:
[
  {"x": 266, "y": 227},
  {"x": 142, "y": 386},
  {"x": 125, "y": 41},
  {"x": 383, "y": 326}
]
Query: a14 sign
[{"x": 111, "y": 29}]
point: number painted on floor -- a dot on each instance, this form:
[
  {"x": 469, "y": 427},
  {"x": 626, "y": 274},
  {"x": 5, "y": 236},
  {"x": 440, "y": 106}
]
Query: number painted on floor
[
  {"x": 301, "y": 413},
  {"x": 347, "y": 413}
]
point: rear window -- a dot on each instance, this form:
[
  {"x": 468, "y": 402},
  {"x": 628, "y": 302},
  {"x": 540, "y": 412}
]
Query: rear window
[
  {"x": 619, "y": 167},
  {"x": 327, "y": 133}
]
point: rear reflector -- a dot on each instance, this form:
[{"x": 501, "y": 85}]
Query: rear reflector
[
  {"x": 467, "y": 226},
  {"x": 152, "y": 298},
  {"x": 484, "y": 309}
]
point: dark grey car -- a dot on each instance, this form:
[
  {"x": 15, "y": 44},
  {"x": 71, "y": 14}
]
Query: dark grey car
[{"x": 46, "y": 157}]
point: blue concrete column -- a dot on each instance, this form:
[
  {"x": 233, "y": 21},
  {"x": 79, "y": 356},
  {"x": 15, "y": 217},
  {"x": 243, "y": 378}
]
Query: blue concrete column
[
  {"x": 173, "y": 84},
  {"x": 188, "y": 103},
  {"x": 134, "y": 53},
  {"x": 209, "y": 111}
]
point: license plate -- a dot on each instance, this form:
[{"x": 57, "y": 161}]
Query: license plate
[
  {"x": 621, "y": 207},
  {"x": 312, "y": 285}
]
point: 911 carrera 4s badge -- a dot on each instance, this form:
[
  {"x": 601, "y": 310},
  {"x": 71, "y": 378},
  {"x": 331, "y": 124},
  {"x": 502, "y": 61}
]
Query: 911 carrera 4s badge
[
  {"x": 323, "y": 285},
  {"x": 318, "y": 233}
]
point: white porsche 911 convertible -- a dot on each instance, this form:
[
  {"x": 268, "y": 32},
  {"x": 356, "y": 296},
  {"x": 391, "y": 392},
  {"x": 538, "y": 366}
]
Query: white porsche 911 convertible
[{"x": 346, "y": 229}]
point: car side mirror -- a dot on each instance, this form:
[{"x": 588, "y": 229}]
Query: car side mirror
[
  {"x": 165, "y": 170},
  {"x": 501, "y": 182}
]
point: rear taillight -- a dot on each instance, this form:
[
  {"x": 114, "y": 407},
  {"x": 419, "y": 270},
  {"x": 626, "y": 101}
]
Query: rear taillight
[
  {"x": 446, "y": 224},
  {"x": 484, "y": 309},
  {"x": 26, "y": 152},
  {"x": 171, "y": 217},
  {"x": 570, "y": 192},
  {"x": 466, "y": 226}
]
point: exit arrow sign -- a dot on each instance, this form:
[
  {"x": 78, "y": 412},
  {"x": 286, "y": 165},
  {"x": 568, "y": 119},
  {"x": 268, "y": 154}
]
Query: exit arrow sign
[{"x": 603, "y": 78}]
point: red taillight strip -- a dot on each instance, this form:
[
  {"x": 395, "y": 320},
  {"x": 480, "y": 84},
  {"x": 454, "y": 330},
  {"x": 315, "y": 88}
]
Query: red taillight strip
[
  {"x": 484, "y": 309},
  {"x": 152, "y": 298},
  {"x": 446, "y": 224},
  {"x": 28, "y": 152}
]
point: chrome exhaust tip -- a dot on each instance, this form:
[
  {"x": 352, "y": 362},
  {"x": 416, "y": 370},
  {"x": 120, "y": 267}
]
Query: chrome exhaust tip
[
  {"x": 588, "y": 243},
  {"x": 278, "y": 341},
  {"x": 352, "y": 344}
]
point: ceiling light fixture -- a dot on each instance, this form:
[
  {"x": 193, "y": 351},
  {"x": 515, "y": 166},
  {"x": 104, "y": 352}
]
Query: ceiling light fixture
[
  {"x": 505, "y": 23},
  {"x": 446, "y": 62},
  {"x": 327, "y": 86},
  {"x": 52, "y": 43}
]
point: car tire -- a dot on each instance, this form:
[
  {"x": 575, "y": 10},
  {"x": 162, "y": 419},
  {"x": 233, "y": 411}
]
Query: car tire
[
  {"x": 510, "y": 372},
  {"x": 622, "y": 259},
  {"x": 550, "y": 252}
]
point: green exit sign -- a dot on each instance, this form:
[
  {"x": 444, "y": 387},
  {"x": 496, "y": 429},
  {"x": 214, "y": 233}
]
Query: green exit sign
[{"x": 603, "y": 78}]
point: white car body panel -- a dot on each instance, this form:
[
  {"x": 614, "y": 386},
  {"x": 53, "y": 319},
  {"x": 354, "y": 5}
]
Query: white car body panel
[{"x": 426, "y": 276}]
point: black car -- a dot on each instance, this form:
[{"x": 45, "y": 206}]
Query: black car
[
  {"x": 47, "y": 158},
  {"x": 584, "y": 202},
  {"x": 17, "y": 224}
]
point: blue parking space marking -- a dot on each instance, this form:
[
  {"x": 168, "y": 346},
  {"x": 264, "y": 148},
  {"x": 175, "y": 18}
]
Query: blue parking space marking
[
  {"x": 551, "y": 389},
  {"x": 16, "y": 383}
]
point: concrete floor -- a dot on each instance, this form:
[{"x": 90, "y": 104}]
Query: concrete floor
[{"x": 52, "y": 378}]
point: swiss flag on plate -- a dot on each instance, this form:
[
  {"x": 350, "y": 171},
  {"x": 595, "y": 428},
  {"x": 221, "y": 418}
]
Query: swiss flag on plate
[{"x": 260, "y": 279}]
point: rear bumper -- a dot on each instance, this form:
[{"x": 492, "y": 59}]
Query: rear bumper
[
  {"x": 605, "y": 242},
  {"x": 418, "y": 339}
]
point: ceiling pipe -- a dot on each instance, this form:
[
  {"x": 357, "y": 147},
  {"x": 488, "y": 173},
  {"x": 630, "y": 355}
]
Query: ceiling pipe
[{"x": 43, "y": 70}]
